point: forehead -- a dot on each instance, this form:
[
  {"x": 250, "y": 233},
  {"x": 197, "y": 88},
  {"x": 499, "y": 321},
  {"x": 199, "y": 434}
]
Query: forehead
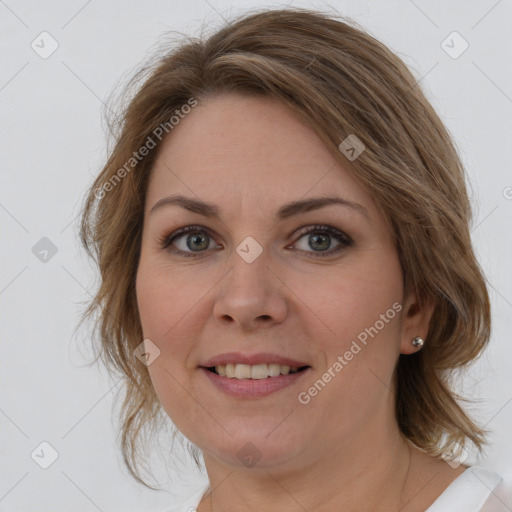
[{"x": 233, "y": 148}]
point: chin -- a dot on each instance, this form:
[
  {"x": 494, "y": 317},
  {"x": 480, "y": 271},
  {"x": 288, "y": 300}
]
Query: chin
[{"x": 254, "y": 450}]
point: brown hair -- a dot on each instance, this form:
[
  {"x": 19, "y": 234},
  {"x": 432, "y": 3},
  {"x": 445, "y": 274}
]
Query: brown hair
[{"x": 340, "y": 81}]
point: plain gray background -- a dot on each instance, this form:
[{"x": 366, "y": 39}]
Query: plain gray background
[{"x": 53, "y": 143}]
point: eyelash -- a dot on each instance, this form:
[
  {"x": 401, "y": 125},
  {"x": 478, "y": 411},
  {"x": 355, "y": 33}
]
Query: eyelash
[{"x": 345, "y": 241}]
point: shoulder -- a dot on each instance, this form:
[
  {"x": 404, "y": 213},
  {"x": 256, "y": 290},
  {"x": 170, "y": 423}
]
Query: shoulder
[
  {"x": 500, "y": 499},
  {"x": 191, "y": 502},
  {"x": 476, "y": 490}
]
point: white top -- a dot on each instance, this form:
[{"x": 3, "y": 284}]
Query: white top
[{"x": 475, "y": 490}]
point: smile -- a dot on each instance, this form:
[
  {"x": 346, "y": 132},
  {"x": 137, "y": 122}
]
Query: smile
[
  {"x": 243, "y": 386},
  {"x": 256, "y": 371}
]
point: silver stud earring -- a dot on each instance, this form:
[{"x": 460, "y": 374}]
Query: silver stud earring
[{"x": 418, "y": 342}]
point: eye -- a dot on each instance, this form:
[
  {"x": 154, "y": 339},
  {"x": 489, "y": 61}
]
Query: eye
[
  {"x": 320, "y": 240},
  {"x": 189, "y": 241}
]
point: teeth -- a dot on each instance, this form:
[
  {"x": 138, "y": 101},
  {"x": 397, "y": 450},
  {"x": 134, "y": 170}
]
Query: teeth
[{"x": 256, "y": 371}]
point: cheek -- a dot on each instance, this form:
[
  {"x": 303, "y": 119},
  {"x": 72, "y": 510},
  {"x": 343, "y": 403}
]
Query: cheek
[
  {"x": 164, "y": 299},
  {"x": 172, "y": 313},
  {"x": 359, "y": 334},
  {"x": 359, "y": 331},
  {"x": 352, "y": 299},
  {"x": 160, "y": 313},
  {"x": 163, "y": 309}
]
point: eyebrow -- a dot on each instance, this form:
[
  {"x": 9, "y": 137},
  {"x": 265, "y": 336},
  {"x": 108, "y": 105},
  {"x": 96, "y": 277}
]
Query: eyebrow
[{"x": 287, "y": 210}]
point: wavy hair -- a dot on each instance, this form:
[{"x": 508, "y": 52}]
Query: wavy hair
[{"x": 340, "y": 81}]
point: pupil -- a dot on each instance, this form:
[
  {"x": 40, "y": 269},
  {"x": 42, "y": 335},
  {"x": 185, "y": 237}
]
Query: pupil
[
  {"x": 200, "y": 240},
  {"x": 315, "y": 242}
]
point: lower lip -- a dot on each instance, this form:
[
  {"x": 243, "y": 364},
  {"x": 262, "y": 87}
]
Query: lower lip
[{"x": 253, "y": 388}]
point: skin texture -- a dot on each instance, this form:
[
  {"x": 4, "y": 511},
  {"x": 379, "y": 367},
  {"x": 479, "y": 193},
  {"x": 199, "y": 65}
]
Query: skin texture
[{"x": 250, "y": 156}]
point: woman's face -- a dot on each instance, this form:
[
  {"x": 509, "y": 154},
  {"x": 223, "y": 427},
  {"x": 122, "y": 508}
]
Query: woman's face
[{"x": 320, "y": 285}]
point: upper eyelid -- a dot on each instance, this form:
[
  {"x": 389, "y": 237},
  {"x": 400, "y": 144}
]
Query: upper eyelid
[{"x": 300, "y": 232}]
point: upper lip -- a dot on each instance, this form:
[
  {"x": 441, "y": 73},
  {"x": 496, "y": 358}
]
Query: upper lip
[{"x": 252, "y": 359}]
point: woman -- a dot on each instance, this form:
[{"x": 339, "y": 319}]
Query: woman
[{"x": 287, "y": 272}]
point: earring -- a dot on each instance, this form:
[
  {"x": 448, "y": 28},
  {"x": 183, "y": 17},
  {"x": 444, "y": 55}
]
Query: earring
[{"x": 418, "y": 342}]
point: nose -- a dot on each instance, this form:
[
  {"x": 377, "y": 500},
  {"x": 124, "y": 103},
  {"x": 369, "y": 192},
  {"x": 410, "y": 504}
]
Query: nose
[{"x": 251, "y": 295}]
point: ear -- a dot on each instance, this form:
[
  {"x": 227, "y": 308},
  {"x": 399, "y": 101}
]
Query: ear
[{"x": 415, "y": 322}]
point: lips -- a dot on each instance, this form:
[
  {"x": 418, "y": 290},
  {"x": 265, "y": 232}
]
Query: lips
[
  {"x": 245, "y": 389},
  {"x": 252, "y": 359}
]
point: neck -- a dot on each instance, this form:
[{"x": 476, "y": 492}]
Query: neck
[{"x": 370, "y": 469}]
